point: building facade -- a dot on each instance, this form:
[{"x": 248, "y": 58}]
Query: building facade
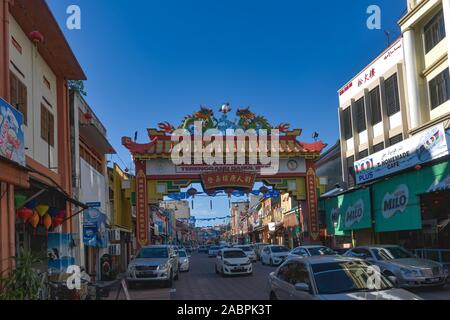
[{"x": 36, "y": 178}]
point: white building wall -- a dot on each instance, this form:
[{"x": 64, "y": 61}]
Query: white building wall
[{"x": 32, "y": 69}]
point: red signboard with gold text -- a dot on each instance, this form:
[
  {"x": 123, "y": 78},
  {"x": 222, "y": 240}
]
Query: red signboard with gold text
[
  {"x": 142, "y": 223},
  {"x": 311, "y": 181},
  {"x": 237, "y": 180}
]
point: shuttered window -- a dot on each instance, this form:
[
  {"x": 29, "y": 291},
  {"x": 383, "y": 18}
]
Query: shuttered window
[
  {"x": 351, "y": 171},
  {"x": 396, "y": 139},
  {"x": 363, "y": 154},
  {"x": 47, "y": 126},
  {"x": 347, "y": 124},
  {"x": 392, "y": 96},
  {"x": 375, "y": 105},
  {"x": 18, "y": 96},
  {"x": 378, "y": 147},
  {"x": 360, "y": 115},
  {"x": 440, "y": 89},
  {"x": 434, "y": 31}
]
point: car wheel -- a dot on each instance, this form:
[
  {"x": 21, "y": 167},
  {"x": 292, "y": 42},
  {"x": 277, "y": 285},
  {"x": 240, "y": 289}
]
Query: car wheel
[{"x": 273, "y": 296}]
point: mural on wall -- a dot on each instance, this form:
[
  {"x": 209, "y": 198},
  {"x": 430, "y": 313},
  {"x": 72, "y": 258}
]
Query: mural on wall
[
  {"x": 12, "y": 145},
  {"x": 59, "y": 251}
]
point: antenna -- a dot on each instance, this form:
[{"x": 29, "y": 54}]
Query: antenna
[
  {"x": 388, "y": 36},
  {"x": 135, "y": 136}
]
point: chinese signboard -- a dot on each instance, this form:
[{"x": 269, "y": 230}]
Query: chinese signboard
[
  {"x": 12, "y": 141},
  {"x": 376, "y": 69},
  {"x": 238, "y": 180},
  {"x": 311, "y": 181},
  {"x": 421, "y": 148},
  {"x": 142, "y": 219}
]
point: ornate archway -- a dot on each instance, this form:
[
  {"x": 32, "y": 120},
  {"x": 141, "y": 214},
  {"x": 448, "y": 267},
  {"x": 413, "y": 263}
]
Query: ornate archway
[{"x": 157, "y": 175}]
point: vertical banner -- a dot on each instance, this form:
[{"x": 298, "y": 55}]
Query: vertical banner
[
  {"x": 311, "y": 187},
  {"x": 142, "y": 223}
]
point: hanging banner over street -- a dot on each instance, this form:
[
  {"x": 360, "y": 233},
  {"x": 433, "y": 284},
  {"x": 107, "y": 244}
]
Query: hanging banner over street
[{"x": 424, "y": 147}]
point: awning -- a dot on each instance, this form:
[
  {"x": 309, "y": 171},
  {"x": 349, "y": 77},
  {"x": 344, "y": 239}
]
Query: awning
[
  {"x": 96, "y": 138},
  {"x": 290, "y": 220}
]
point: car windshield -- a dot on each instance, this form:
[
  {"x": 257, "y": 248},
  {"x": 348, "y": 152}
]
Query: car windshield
[
  {"x": 246, "y": 249},
  {"x": 277, "y": 249},
  {"x": 214, "y": 248},
  {"x": 234, "y": 254},
  {"x": 149, "y": 253},
  {"x": 182, "y": 253},
  {"x": 348, "y": 277},
  {"x": 321, "y": 251},
  {"x": 391, "y": 253}
]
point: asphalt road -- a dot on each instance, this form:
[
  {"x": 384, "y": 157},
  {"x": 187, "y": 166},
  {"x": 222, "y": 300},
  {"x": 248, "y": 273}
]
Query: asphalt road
[{"x": 202, "y": 283}]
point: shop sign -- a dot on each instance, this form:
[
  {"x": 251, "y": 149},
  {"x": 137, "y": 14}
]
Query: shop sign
[
  {"x": 142, "y": 219},
  {"x": 59, "y": 251},
  {"x": 95, "y": 233},
  {"x": 354, "y": 214},
  {"x": 12, "y": 139},
  {"x": 311, "y": 180},
  {"x": 429, "y": 145},
  {"x": 440, "y": 185},
  {"x": 237, "y": 180}
]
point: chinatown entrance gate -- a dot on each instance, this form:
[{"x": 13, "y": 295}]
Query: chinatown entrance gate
[{"x": 158, "y": 174}]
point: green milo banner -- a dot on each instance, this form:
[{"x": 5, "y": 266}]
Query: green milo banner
[
  {"x": 397, "y": 201},
  {"x": 348, "y": 212}
]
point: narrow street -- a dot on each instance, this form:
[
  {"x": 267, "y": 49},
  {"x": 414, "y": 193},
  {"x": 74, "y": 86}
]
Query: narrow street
[{"x": 202, "y": 283}]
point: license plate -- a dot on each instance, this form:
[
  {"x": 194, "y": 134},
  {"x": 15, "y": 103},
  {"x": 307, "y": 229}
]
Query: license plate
[{"x": 239, "y": 269}]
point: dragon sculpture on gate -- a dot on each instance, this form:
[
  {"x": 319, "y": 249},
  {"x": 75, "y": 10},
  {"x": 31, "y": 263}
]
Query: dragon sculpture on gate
[{"x": 246, "y": 120}]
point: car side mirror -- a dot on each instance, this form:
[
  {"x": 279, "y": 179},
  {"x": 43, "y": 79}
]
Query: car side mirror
[{"x": 303, "y": 287}]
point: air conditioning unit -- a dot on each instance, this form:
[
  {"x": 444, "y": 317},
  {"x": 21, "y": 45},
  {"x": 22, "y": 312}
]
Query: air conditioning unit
[
  {"x": 114, "y": 249},
  {"x": 114, "y": 235}
]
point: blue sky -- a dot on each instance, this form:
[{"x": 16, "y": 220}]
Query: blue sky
[{"x": 149, "y": 61}]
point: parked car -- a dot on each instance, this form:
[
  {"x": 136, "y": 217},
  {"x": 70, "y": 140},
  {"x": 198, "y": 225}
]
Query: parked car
[
  {"x": 311, "y": 251},
  {"x": 274, "y": 255},
  {"x": 202, "y": 249},
  {"x": 331, "y": 278},
  {"x": 183, "y": 261},
  {"x": 340, "y": 251},
  {"x": 213, "y": 250},
  {"x": 408, "y": 270},
  {"x": 248, "y": 251},
  {"x": 258, "y": 246},
  {"x": 154, "y": 263},
  {"x": 233, "y": 261}
]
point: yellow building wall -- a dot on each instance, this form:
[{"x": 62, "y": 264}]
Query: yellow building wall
[{"x": 122, "y": 200}]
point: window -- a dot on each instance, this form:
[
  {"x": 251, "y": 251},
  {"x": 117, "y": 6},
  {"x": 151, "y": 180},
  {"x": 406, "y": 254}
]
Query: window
[
  {"x": 93, "y": 160},
  {"x": 360, "y": 115},
  {"x": 396, "y": 139},
  {"x": 363, "y": 154},
  {"x": 19, "y": 97},
  {"x": 392, "y": 97},
  {"x": 439, "y": 89},
  {"x": 347, "y": 124},
  {"x": 47, "y": 126},
  {"x": 351, "y": 171},
  {"x": 378, "y": 147},
  {"x": 297, "y": 273},
  {"x": 375, "y": 105},
  {"x": 434, "y": 31}
]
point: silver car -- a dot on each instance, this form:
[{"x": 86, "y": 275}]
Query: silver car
[
  {"x": 213, "y": 251},
  {"x": 408, "y": 270},
  {"x": 332, "y": 278},
  {"x": 154, "y": 263},
  {"x": 183, "y": 261},
  {"x": 311, "y": 251}
]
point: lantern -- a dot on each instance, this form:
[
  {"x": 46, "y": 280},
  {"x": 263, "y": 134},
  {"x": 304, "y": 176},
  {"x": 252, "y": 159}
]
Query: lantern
[
  {"x": 61, "y": 214},
  {"x": 19, "y": 199},
  {"x": 192, "y": 192},
  {"x": 36, "y": 37},
  {"x": 24, "y": 214},
  {"x": 34, "y": 220},
  {"x": 42, "y": 209},
  {"x": 53, "y": 211},
  {"x": 263, "y": 189},
  {"x": 47, "y": 221},
  {"x": 57, "y": 222},
  {"x": 229, "y": 192},
  {"x": 31, "y": 204}
]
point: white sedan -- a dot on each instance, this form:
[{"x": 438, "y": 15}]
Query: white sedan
[
  {"x": 311, "y": 251},
  {"x": 233, "y": 262},
  {"x": 248, "y": 251},
  {"x": 274, "y": 255},
  {"x": 183, "y": 261}
]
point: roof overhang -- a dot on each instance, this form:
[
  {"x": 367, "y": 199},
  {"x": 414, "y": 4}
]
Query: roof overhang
[
  {"x": 94, "y": 138},
  {"x": 34, "y": 15}
]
